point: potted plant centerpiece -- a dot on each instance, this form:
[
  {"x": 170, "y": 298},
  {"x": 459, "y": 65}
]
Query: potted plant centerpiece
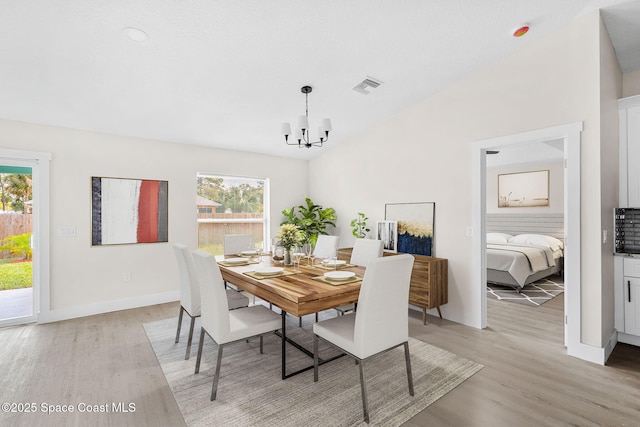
[{"x": 290, "y": 236}]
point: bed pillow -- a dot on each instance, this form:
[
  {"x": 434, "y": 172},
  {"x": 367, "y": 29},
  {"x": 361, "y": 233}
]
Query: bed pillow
[
  {"x": 497, "y": 238},
  {"x": 538, "y": 239}
]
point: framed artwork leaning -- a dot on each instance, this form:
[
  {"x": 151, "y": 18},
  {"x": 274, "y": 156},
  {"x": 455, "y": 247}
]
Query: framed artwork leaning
[
  {"x": 126, "y": 211},
  {"x": 415, "y": 226},
  {"x": 387, "y": 231}
]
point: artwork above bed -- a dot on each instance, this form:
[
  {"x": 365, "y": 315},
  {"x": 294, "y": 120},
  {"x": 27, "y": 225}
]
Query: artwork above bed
[{"x": 523, "y": 189}]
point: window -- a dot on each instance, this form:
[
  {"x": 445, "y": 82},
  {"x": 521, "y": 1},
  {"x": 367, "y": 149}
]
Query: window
[{"x": 231, "y": 205}]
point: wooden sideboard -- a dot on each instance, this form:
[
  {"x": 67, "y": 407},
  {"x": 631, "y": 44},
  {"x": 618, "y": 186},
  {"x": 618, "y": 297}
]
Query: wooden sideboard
[{"x": 429, "y": 281}]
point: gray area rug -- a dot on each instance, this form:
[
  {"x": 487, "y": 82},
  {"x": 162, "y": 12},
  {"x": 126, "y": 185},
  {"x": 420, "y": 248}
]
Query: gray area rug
[
  {"x": 533, "y": 295},
  {"x": 251, "y": 391}
]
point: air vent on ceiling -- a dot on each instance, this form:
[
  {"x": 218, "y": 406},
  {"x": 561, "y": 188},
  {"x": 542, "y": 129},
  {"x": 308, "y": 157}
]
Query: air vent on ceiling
[{"x": 367, "y": 83}]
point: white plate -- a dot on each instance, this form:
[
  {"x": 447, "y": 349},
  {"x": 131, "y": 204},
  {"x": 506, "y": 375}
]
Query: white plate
[
  {"x": 334, "y": 262},
  {"x": 268, "y": 271},
  {"x": 249, "y": 253},
  {"x": 235, "y": 260},
  {"x": 339, "y": 275}
]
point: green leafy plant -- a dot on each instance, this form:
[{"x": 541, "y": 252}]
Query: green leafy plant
[
  {"x": 312, "y": 219},
  {"x": 359, "y": 225},
  {"x": 19, "y": 246}
]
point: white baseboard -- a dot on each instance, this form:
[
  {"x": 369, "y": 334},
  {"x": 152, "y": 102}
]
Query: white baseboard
[
  {"x": 593, "y": 354},
  {"x": 628, "y": 339},
  {"x": 107, "y": 307}
]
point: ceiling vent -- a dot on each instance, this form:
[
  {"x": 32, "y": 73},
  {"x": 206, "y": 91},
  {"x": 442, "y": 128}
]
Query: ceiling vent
[{"x": 367, "y": 83}]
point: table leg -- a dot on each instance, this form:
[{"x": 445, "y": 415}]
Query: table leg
[
  {"x": 424, "y": 316},
  {"x": 284, "y": 342}
]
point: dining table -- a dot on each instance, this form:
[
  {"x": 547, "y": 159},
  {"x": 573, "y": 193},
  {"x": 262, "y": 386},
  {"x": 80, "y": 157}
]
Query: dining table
[{"x": 300, "y": 290}]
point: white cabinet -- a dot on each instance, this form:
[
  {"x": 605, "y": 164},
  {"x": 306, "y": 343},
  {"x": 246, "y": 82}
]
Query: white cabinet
[
  {"x": 632, "y": 296},
  {"x": 627, "y": 272},
  {"x": 629, "y": 113}
]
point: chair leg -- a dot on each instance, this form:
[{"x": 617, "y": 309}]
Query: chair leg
[
  {"x": 409, "y": 374},
  {"x": 200, "y": 344},
  {"x": 261, "y": 344},
  {"x": 315, "y": 358},
  {"x": 193, "y": 324},
  {"x": 316, "y": 317},
  {"x": 216, "y": 377},
  {"x": 365, "y": 408},
  {"x": 179, "y": 324}
]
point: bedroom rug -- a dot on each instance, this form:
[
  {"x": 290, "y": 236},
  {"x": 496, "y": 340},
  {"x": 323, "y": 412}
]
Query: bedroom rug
[
  {"x": 532, "y": 295},
  {"x": 251, "y": 391}
]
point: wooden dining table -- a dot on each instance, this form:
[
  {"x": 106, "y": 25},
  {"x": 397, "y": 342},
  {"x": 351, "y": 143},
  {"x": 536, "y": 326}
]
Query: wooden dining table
[{"x": 298, "y": 292}]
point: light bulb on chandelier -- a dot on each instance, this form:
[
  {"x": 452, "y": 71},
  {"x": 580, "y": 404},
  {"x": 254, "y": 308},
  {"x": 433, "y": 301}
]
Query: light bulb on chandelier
[{"x": 302, "y": 136}]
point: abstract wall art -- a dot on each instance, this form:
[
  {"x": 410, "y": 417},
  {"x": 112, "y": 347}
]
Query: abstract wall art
[
  {"x": 125, "y": 211},
  {"x": 415, "y": 226}
]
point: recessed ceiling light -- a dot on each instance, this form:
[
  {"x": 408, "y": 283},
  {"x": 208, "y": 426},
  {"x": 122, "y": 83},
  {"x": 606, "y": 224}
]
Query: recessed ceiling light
[
  {"x": 521, "y": 31},
  {"x": 136, "y": 34}
]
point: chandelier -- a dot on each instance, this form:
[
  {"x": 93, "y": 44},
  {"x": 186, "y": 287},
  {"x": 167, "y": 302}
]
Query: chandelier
[{"x": 302, "y": 136}]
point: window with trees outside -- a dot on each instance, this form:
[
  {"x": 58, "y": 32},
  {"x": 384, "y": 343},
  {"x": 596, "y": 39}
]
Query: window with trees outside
[{"x": 231, "y": 205}]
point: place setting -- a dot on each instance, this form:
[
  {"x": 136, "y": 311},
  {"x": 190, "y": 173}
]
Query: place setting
[
  {"x": 333, "y": 264},
  {"x": 237, "y": 261},
  {"x": 268, "y": 272},
  {"x": 338, "y": 277}
]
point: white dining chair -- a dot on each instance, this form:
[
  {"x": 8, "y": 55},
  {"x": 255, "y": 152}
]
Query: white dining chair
[
  {"x": 222, "y": 325},
  {"x": 236, "y": 243},
  {"x": 381, "y": 322},
  {"x": 326, "y": 246},
  {"x": 364, "y": 251},
  {"x": 190, "y": 301}
]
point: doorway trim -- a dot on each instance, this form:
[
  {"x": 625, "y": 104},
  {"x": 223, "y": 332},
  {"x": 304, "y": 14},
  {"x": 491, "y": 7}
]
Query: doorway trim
[
  {"x": 570, "y": 134},
  {"x": 39, "y": 163}
]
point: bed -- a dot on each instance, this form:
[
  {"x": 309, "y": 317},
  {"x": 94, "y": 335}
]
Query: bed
[{"x": 517, "y": 258}]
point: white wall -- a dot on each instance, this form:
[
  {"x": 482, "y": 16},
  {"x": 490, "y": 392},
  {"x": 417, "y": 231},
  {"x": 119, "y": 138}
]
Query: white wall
[
  {"x": 611, "y": 83},
  {"x": 424, "y": 153},
  {"x": 631, "y": 83},
  {"x": 86, "y": 279},
  {"x": 556, "y": 187}
]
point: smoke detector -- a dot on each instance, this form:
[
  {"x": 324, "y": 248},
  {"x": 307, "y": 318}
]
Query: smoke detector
[{"x": 368, "y": 83}]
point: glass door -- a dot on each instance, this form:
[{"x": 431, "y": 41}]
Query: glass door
[{"x": 17, "y": 297}]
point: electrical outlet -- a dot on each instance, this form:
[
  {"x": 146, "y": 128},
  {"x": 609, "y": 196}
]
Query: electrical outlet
[
  {"x": 469, "y": 231},
  {"x": 126, "y": 276},
  {"x": 604, "y": 236}
]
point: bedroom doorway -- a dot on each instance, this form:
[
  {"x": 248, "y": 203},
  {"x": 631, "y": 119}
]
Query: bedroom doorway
[{"x": 569, "y": 135}]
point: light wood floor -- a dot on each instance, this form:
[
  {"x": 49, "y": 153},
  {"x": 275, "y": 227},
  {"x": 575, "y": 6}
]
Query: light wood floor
[{"x": 527, "y": 380}]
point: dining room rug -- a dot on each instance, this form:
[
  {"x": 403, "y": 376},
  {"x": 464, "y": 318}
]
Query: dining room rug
[
  {"x": 251, "y": 391},
  {"x": 533, "y": 295}
]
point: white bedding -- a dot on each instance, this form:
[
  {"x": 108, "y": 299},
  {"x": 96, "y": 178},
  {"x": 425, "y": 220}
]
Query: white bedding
[{"x": 520, "y": 261}]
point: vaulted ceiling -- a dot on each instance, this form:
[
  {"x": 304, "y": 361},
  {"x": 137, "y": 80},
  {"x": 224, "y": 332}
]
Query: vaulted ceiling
[{"x": 226, "y": 73}]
